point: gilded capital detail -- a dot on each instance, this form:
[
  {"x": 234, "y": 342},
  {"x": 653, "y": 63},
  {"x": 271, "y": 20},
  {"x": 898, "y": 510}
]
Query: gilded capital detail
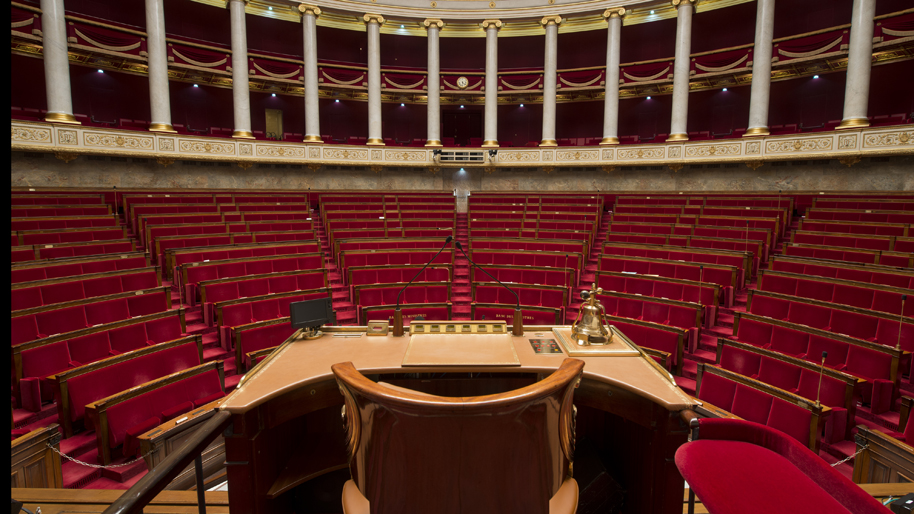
[
  {"x": 491, "y": 23},
  {"x": 617, "y": 12},
  {"x": 432, "y": 21},
  {"x": 551, "y": 20},
  {"x": 376, "y": 18},
  {"x": 309, "y": 9},
  {"x": 677, "y": 3}
]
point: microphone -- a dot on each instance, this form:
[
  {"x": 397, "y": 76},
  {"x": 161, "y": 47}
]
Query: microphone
[
  {"x": 821, "y": 371},
  {"x": 901, "y": 321},
  {"x": 517, "y": 328},
  {"x": 398, "y": 316}
]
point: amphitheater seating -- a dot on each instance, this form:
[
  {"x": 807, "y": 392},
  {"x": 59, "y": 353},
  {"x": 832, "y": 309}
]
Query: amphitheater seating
[
  {"x": 757, "y": 402},
  {"x": 724, "y": 276},
  {"x": 860, "y": 323},
  {"x": 184, "y": 257},
  {"x": 880, "y": 229},
  {"x": 77, "y": 387},
  {"x": 120, "y": 419},
  {"x": 877, "y": 364},
  {"x": 427, "y": 311},
  {"x": 357, "y": 276},
  {"x": 869, "y": 242},
  {"x": 542, "y": 259},
  {"x": 220, "y": 290},
  {"x": 76, "y": 235},
  {"x": 42, "y": 271},
  {"x": 844, "y": 292},
  {"x": 194, "y": 273},
  {"x": 59, "y": 223},
  {"x": 47, "y": 292},
  {"x": 872, "y": 274},
  {"x": 704, "y": 293},
  {"x": 41, "y": 322},
  {"x": 684, "y": 315},
  {"x": 233, "y": 313},
  {"x": 799, "y": 377},
  {"x": 525, "y": 275},
  {"x": 257, "y": 336},
  {"x": 654, "y": 335},
  {"x": 531, "y": 315}
]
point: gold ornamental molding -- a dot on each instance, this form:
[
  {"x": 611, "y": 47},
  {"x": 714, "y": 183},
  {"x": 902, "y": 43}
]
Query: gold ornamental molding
[
  {"x": 614, "y": 13},
  {"x": 75, "y": 140},
  {"x": 377, "y": 18},
  {"x": 428, "y": 22},
  {"x": 310, "y": 9},
  {"x": 491, "y": 23},
  {"x": 551, "y": 20}
]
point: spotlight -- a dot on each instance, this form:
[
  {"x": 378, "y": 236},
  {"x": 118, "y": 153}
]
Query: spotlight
[
  {"x": 652, "y": 12},
  {"x": 196, "y": 85},
  {"x": 815, "y": 76},
  {"x": 337, "y": 100},
  {"x": 725, "y": 89},
  {"x": 101, "y": 71},
  {"x": 521, "y": 105},
  {"x": 648, "y": 98},
  {"x": 461, "y": 107},
  {"x": 273, "y": 95},
  {"x": 402, "y": 105},
  {"x": 401, "y": 26},
  {"x": 462, "y": 170},
  {"x": 269, "y": 8}
]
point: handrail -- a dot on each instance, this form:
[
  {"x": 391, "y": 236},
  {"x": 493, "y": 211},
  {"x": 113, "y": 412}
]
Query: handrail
[{"x": 158, "y": 478}]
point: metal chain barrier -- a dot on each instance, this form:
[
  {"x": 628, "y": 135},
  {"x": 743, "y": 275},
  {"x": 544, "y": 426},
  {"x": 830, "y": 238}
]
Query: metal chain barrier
[
  {"x": 98, "y": 466},
  {"x": 850, "y": 457}
]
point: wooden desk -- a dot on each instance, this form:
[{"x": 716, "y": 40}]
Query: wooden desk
[{"x": 286, "y": 427}]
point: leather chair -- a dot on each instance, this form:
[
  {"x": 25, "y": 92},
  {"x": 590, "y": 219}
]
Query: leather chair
[{"x": 415, "y": 452}]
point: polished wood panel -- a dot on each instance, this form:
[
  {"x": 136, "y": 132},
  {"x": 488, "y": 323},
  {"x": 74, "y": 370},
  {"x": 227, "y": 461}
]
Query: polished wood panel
[
  {"x": 885, "y": 459},
  {"x": 34, "y": 464}
]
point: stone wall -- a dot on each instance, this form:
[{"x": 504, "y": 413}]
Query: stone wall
[{"x": 870, "y": 174}]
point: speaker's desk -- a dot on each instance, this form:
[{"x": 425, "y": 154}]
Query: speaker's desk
[{"x": 286, "y": 428}]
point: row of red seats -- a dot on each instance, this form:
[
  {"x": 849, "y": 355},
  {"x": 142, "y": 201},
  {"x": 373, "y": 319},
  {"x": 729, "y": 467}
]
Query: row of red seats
[
  {"x": 54, "y": 251},
  {"x": 569, "y": 260},
  {"x": 753, "y": 404},
  {"x": 338, "y": 235},
  {"x": 881, "y": 229},
  {"x": 531, "y": 225},
  {"x": 18, "y": 199},
  {"x": 394, "y": 275},
  {"x": 843, "y": 292},
  {"x": 525, "y": 275},
  {"x": 29, "y": 327},
  {"x": 259, "y": 336},
  {"x": 859, "y": 205},
  {"x": 25, "y": 296},
  {"x": 153, "y": 231},
  {"x": 231, "y": 314},
  {"x": 533, "y": 216},
  {"x": 752, "y": 247},
  {"x": 392, "y": 215},
  {"x": 47, "y": 212},
  {"x": 230, "y": 212},
  {"x": 869, "y": 274},
  {"x": 876, "y": 327},
  {"x": 659, "y": 287},
  {"x": 903, "y": 260},
  {"x": 223, "y": 252},
  {"x": 50, "y": 270},
  {"x": 667, "y": 339},
  {"x": 876, "y": 364},
  {"x": 847, "y": 241},
  {"x": 29, "y": 237},
  {"x": 531, "y": 315},
  {"x": 724, "y": 276},
  {"x": 392, "y": 224},
  {"x": 664, "y": 312},
  {"x": 763, "y": 235},
  {"x": 527, "y": 246},
  {"x": 426, "y": 312},
  {"x": 817, "y": 213},
  {"x": 167, "y": 246},
  {"x": 193, "y": 274},
  {"x": 797, "y": 377},
  {"x": 393, "y": 258},
  {"x": 161, "y": 404},
  {"x": 258, "y": 286},
  {"x": 63, "y": 223},
  {"x": 679, "y": 254}
]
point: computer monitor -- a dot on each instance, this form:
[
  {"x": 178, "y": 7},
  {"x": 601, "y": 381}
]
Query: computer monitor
[{"x": 312, "y": 314}]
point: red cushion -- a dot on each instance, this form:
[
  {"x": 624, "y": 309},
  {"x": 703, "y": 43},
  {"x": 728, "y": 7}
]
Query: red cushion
[
  {"x": 131, "y": 441},
  {"x": 751, "y": 404},
  {"x": 173, "y": 412},
  {"x": 717, "y": 390},
  {"x": 791, "y": 419}
]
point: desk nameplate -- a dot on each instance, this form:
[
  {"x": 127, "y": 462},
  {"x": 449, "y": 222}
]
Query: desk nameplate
[{"x": 447, "y": 344}]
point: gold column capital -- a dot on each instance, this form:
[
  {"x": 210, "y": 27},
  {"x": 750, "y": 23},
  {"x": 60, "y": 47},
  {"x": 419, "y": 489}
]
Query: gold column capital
[
  {"x": 491, "y": 23},
  {"x": 615, "y": 12},
  {"x": 551, "y": 20},
  {"x": 309, "y": 9},
  {"x": 428, "y": 22},
  {"x": 229, "y": 2},
  {"x": 679, "y": 3},
  {"x": 377, "y": 18}
]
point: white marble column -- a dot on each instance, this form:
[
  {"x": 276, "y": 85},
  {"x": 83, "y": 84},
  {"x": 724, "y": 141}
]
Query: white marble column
[
  {"x": 312, "y": 105},
  {"x": 761, "y": 69},
  {"x": 433, "y": 130},
  {"x": 241, "y": 96},
  {"x": 859, "y": 61},
  {"x": 374, "y": 22},
  {"x": 56, "y": 62},
  {"x": 684, "y": 10},
  {"x": 159, "y": 98},
  {"x": 611, "y": 99},
  {"x": 490, "y": 133},
  {"x": 549, "y": 77}
]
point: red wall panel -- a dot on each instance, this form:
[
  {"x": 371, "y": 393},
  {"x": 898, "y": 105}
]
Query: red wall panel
[
  {"x": 344, "y": 119},
  {"x": 409, "y": 51},
  {"x": 520, "y": 52},
  {"x": 27, "y": 91},
  {"x": 341, "y": 45},
  {"x": 460, "y": 53},
  {"x": 646, "y": 41},
  {"x": 807, "y": 101},
  {"x": 520, "y": 125},
  {"x": 723, "y": 28},
  {"x": 582, "y": 49},
  {"x": 792, "y": 18},
  {"x": 645, "y": 118},
  {"x": 292, "y": 107},
  {"x": 198, "y": 21},
  {"x": 719, "y": 112},
  {"x": 578, "y": 119},
  {"x": 201, "y": 107},
  {"x": 276, "y": 36},
  {"x": 890, "y": 89},
  {"x": 403, "y": 123},
  {"x": 109, "y": 96},
  {"x": 128, "y": 13}
]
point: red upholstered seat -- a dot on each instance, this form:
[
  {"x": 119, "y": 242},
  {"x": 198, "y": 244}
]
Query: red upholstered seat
[
  {"x": 740, "y": 361},
  {"x": 717, "y": 390},
  {"x": 127, "y": 338},
  {"x": 163, "y": 329},
  {"x": 779, "y": 374},
  {"x": 742, "y": 467},
  {"x": 751, "y": 404},
  {"x": 108, "y": 312},
  {"x": 89, "y": 348},
  {"x": 132, "y": 434}
]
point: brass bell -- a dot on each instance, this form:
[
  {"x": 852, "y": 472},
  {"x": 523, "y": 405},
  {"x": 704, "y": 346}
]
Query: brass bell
[{"x": 591, "y": 327}]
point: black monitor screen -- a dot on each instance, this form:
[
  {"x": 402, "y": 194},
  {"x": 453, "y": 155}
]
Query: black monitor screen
[{"x": 312, "y": 313}]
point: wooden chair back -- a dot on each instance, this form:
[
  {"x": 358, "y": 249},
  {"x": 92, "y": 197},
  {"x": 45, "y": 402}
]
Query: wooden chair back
[{"x": 415, "y": 452}]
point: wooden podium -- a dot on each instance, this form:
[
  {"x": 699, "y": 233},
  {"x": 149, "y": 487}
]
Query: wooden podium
[{"x": 286, "y": 429}]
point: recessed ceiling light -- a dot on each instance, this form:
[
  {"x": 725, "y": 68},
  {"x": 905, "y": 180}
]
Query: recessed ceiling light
[
  {"x": 337, "y": 100},
  {"x": 725, "y": 89},
  {"x": 196, "y": 85},
  {"x": 815, "y": 76},
  {"x": 274, "y": 95},
  {"x": 101, "y": 71},
  {"x": 648, "y": 98},
  {"x": 652, "y": 12},
  {"x": 402, "y": 105},
  {"x": 270, "y": 8},
  {"x": 521, "y": 105},
  {"x": 461, "y": 107},
  {"x": 401, "y": 26}
]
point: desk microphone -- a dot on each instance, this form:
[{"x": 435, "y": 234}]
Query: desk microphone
[
  {"x": 901, "y": 321},
  {"x": 398, "y": 316},
  {"x": 517, "y": 327},
  {"x": 821, "y": 371}
]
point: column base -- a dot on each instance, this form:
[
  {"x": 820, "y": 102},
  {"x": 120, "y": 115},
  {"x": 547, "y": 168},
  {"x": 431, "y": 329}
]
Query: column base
[
  {"x": 433, "y": 142},
  {"x": 677, "y": 137},
  {"x": 161, "y": 127},
  {"x": 853, "y": 123},
  {"x": 757, "y": 131},
  {"x": 490, "y": 143},
  {"x": 242, "y": 134},
  {"x": 61, "y": 117},
  {"x": 312, "y": 139},
  {"x": 609, "y": 141},
  {"x": 549, "y": 142},
  {"x": 374, "y": 141}
]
